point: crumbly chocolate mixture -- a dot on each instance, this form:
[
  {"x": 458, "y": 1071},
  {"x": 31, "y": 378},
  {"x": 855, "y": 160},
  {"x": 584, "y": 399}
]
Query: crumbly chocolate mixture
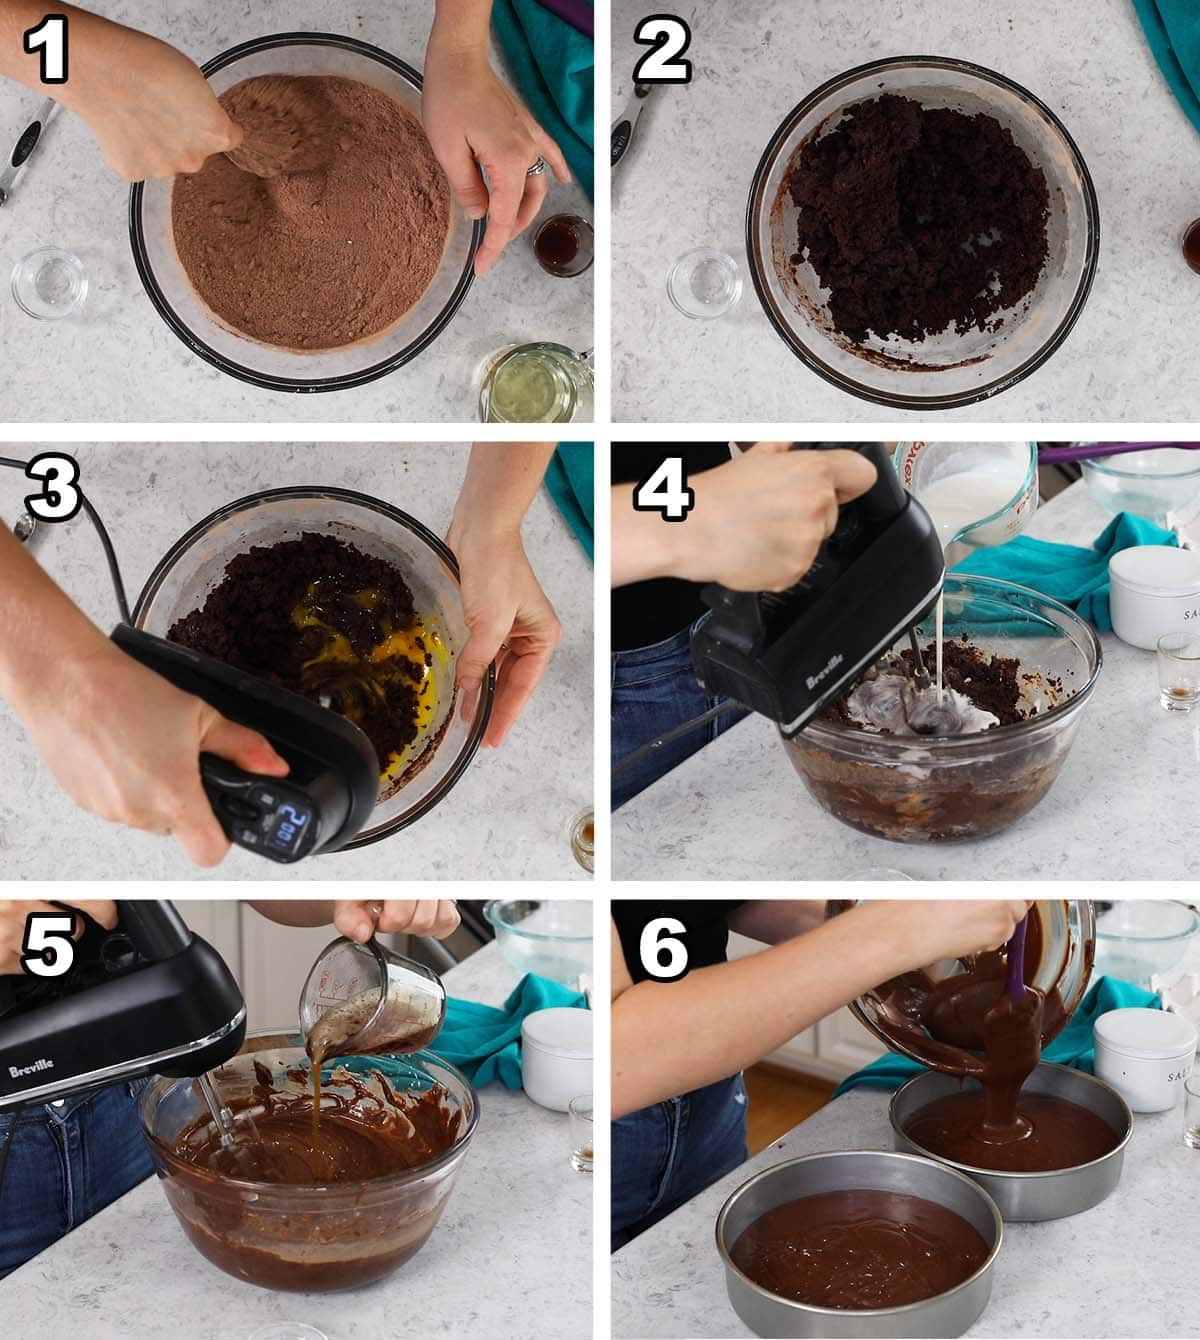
[
  {"x": 318, "y": 616},
  {"x": 324, "y": 257},
  {"x": 918, "y": 219},
  {"x": 991, "y": 683}
]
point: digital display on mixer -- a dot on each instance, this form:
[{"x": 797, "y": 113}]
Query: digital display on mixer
[{"x": 289, "y": 828}]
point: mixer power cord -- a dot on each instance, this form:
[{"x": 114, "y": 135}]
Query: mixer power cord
[
  {"x": 110, "y": 554},
  {"x": 727, "y": 705}
]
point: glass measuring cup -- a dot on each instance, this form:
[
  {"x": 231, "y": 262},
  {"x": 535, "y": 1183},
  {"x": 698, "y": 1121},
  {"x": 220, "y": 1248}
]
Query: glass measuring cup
[
  {"x": 536, "y": 383},
  {"x": 978, "y": 493},
  {"x": 361, "y": 999}
]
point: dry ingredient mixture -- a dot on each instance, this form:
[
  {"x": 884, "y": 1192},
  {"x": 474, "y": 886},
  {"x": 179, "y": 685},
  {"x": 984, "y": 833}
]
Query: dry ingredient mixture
[
  {"x": 338, "y": 626},
  {"x": 333, "y": 225},
  {"x": 856, "y": 1250},
  {"x": 918, "y": 219}
]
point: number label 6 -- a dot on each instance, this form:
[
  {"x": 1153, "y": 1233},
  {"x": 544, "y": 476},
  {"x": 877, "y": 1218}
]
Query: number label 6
[{"x": 659, "y": 938}]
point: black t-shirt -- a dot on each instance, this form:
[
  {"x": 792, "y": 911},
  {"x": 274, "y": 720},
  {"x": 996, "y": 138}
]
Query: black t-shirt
[
  {"x": 706, "y": 937},
  {"x": 644, "y": 613}
]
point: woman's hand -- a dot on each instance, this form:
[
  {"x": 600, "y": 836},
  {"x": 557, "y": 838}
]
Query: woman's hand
[
  {"x": 125, "y": 744},
  {"x": 511, "y": 622},
  {"x": 928, "y": 931},
  {"x": 474, "y": 122},
  {"x": 151, "y": 111},
  {"x": 359, "y": 919},
  {"x": 15, "y": 911}
]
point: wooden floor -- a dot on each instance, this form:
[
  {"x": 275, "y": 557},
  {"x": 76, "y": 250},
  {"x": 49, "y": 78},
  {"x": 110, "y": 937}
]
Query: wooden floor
[{"x": 779, "y": 1100}]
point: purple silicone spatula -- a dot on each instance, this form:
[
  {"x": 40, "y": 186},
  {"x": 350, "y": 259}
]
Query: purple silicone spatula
[{"x": 1015, "y": 958}]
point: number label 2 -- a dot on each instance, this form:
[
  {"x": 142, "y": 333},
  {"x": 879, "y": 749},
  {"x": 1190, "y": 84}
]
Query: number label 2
[
  {"x": 665, "y": 491},
  {"x": 48, "y": 949},
  {"x": 659, "y": 939},
  {"x": 50, "y": 38},
  {"x": 59, "y": 499},
  {"x": 668, "y": 37}
]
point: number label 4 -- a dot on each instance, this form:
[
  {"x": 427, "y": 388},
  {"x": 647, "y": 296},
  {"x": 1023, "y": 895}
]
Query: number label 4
[{"x": 665, "y": 491}]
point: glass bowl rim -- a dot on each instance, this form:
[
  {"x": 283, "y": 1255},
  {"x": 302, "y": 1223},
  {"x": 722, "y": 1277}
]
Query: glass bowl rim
[
  {"x": 271, "y": 381},
  {"x": 1102, "y": 467},
  {"x": 483, "y": 711},
  {"x": 834, "y": 735},
  {"x": 1176, "y": 936},
  {"x": 490, "y": 911},
  {"x": 400, "y": 1178},
  {"x": 844, "y": 382}
]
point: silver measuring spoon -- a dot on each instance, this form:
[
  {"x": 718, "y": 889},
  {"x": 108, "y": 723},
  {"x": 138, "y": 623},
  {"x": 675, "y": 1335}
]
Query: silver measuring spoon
[
  {"x": 624, "y": 125},
  {"x": 25, "y": 527},
  {"x": 27, "y": 142}
]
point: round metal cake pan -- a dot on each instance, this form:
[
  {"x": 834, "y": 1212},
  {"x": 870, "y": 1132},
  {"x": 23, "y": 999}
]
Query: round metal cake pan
[
  {"x": 1032, "y": 1196},
  {"x": 947, "y": 1314}
]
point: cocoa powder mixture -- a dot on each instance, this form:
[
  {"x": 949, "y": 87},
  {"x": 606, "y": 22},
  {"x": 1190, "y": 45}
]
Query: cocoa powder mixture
[
  {"x": 329, "y": 255},
  {"x": 351, "y": 603},
  {"x": 918, "y": 219}
]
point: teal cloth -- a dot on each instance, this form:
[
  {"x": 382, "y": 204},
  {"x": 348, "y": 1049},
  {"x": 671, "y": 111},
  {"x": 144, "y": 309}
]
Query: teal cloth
[
  {"x": 1075, "y": 1046},
  {"x": 1172, "y": 28},
  {"x": 485, "y": 1042},
  {"x": 571, "y": 479},
  {"x": 552, "y": 64},
  {"x": 1066, "y": 572}
]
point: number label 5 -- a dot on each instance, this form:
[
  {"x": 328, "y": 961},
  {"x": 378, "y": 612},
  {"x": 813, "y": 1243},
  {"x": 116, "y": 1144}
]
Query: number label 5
[
  {"x": 48, "y": 949},
  {"x": 665, "y": 491},
  {"x": 669, "y": 37},
  {"x": 663, "y": 955}
]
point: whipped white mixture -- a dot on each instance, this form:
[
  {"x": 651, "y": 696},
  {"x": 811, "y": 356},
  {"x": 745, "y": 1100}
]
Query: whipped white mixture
[{"x": 892, "y": 702}]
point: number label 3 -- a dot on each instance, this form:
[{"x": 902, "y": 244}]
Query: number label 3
[
  {"x": 665, "y": 491},
  {"x": 59, "y": 498},
  {"x": 669, "y": 37},
  {"x": 50, "y": 38},
  {"x": 663, "y": 955},
  {"x": 48, "y": 949}
]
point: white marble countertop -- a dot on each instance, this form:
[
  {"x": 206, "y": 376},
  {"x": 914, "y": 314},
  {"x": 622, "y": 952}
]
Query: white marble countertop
[
  {"x": 130, "y": 1273},
  {"x": 738, "y": 809},
  {"x": 507, "y": 817},
  {"x": 1120, "y": 1269},
  {"x": 120, "y": 362},
  {"x": 685, "y": 182}
]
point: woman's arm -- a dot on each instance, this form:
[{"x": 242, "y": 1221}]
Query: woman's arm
[
  {"x": 671, "y": 1037},
  {"x": 149, "y": 108},
  {"x": 774, "y": 919},
  {"x": 359, "y": 918},
  {"x": 510, "y": 619}
]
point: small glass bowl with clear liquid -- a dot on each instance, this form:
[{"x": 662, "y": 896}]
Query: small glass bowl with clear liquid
[
  {"x": 49, "y": 284},
  {"x": 536, "y": 383}
]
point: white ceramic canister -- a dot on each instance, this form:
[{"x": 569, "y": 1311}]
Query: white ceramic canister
[
  {"x": 1155, "y": 589},
  {"x": 1145, "y": 1055},
  {"x": 556, "y": 1056}
]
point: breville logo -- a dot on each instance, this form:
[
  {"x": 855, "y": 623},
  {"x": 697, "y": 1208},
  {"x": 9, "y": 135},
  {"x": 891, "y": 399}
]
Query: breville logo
[
  {"x": 834, "y": 661},
  {"x": 17, "y": 1071}
]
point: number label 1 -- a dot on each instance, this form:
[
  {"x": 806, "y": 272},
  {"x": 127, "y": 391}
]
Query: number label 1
[
  {"x": 659, "y": 939},
  {"x": 59, "y": 498},
  {"x": 665, "y": 491},
  {"x": 48, "y": 949},
  {"x": 669, "y": 37},
  {"x": 50, "y": 38}
]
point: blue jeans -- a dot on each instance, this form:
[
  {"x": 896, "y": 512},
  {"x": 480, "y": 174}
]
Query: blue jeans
[
  {"x": 664, "y": 1155},
  {"x": 65, "y": 1164},
  {"x": 654, "y": 689}
]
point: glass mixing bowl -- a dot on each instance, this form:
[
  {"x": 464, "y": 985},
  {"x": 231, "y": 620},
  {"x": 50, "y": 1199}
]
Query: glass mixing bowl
[
  {"x": 303, "y": 1238},
  {"x": 196, "y": 563},
  {"x": 1068, "y": 932},
  {"x": 923, "y": 789},
  {"x": 1148, "y": 483},
  {"x": 1140, "y": 939},
  {"x": 551, "y": 938},
  {"x": 946, "y": 370},
  {"x": 264, "y": 365}
]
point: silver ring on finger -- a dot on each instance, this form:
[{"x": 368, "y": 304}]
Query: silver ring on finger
[{"x": 537, "y": 169}]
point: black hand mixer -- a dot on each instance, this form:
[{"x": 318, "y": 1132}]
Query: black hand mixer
[
  {"x": 333, "y": 780},
  {"x": 789, "y": 654},
  {"x": 153, "y": 999}
]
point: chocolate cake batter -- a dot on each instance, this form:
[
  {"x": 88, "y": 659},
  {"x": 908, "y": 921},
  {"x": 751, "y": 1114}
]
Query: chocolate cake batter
[
  {"x": 320, "y": 617},
  {"x": 918, "y": 219},
  {"x": 342, "y": 232},
  {"x": 856, "y": 1250}
]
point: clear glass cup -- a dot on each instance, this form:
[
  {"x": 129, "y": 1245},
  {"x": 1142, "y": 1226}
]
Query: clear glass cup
[
  {"x": 579, "y": 1117},
  {"x": 49, "y": 284},
  {"x": 1179, "y": 671},
  {"x": 565, "y": 245},
  {"x": 583, "y": 839},
  {"x": 536, "y": 383},
  {"x": 704, "y": 283},
  {"x": 287, "y": 1330},
  {"x": 384, "y": 1002},
  {"x": 1191, "y": 1111}
]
